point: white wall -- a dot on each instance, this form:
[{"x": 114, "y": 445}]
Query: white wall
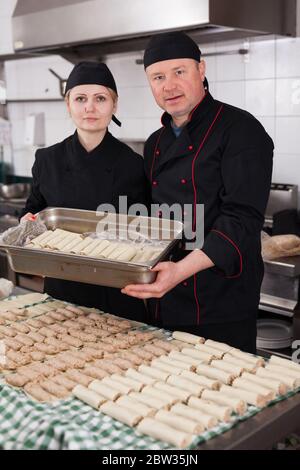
[
  {"x": 30, "y": 79},
  {"x": 266, "y": 83},
  {"x": 6, "y": 11}
]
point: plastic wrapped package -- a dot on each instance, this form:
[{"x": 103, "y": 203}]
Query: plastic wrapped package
[
  {"x": 6, "y": 287},
  {"x": 23, "y": 233},
  {"x": 279, "y": 246}
]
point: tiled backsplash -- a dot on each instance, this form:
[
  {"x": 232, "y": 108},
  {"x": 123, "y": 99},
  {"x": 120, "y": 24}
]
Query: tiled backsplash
[{"x": 266, "y": 82}]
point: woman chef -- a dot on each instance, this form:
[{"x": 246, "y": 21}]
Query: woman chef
[{"x": 89, "y": 168}]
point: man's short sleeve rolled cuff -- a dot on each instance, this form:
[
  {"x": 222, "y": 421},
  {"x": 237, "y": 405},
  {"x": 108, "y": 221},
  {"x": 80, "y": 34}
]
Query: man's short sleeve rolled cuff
[{"x": 224, "y": 253}]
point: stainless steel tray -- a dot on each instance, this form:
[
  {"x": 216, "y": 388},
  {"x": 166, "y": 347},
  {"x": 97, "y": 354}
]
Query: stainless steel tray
[{"x": 93, "y": 270}]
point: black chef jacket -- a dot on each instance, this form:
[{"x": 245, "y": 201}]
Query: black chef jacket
[
  {"x": 222, "y": 159},
  {"x": 66, "y": 175}
]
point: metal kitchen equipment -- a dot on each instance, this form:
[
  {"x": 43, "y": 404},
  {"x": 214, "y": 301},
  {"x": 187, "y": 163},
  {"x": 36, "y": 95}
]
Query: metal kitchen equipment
[
  {"x": 10, "y": 210},
  {"x": 14, "y": 191},
  {"x": 12, "y": 201},
  {"x": 273, "y": 333},
  {"x": 127, "y": 26},
  {"x": 280, "y": 286},
  {"x": 280, "y": 290},
  {"x": 7, "y": 221},
  {"x": 282, "y": 196},
  {"x": 62, "y": 82},
  {"x": 91, "y": 270}
]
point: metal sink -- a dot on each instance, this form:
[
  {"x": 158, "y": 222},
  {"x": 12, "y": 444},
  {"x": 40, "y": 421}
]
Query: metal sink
[
  {"x": 7, "y": 221},
  {"x": 15, "y": 191}
]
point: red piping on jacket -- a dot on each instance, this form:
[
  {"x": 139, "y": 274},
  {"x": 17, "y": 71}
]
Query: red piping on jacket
[
  {"x": 196, "y": 299},
  {"x": 194, "y": 161},
  {"x": 195, "y": 199},
  {"x": 151, "y": 179},
  {"x": 154, "y": 155},
  {"x": 194, "y": 109},
  {"x": 237, "y": 249},
  {"x": 156, "y": 310}
]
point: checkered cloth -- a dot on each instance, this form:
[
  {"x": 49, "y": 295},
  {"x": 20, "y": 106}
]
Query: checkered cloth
[{"x": 72, "y": 425}]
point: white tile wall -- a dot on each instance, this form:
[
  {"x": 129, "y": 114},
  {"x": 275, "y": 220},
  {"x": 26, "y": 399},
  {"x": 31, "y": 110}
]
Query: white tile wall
[
  {"x": 213, "y": 88},
  {"x": 22, "y": 160},
  {"x": 269, "y": 124},
  {"x": 57, "y": 130},
  {"x": 261, "y": 60},
  {"x": 288, "y": 57},
  {"x": 211, "y": 61},
  {"x": 230, "y": 67},
  {"x": 283, "y": 164},
  {"x": 127, "y": 72},
  {"x": 260, "y": 97},
  {"x": 231, "y": 92},
  {"x": 31, "y": 78},
  {"x": 288, "y": 96},
  {"x": 141, "y": 102},
  {"x": 288, "y": 137},
  {"x": 7, "y": 7},
  {"x": 7, "y": 154},
  {"x": 5, "y": 36},
  {"x": 6, "y": 10}
]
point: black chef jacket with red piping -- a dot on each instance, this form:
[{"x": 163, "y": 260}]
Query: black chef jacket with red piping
[
  {"x": 222, "y": 159},
  {"x": 66, "y": 175}
]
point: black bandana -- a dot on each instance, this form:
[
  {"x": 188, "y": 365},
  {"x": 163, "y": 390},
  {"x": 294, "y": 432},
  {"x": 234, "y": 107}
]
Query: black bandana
[{"x": 174, "y": 45}]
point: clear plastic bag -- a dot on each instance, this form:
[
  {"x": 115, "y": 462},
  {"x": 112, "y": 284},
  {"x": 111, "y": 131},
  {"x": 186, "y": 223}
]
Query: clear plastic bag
[
  {"x": 23, "y": 233},
  {"x": 279, "y": 246},
  {"x": 132, "y": 238},
  {"x": 6, "y": 288}
]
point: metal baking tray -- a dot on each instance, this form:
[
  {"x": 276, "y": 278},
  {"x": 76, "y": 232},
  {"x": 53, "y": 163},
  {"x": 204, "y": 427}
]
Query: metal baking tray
[{"x": 94, "y": 270}]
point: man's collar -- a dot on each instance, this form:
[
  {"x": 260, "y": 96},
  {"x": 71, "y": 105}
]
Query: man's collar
[{"x": 198, "y": 112}]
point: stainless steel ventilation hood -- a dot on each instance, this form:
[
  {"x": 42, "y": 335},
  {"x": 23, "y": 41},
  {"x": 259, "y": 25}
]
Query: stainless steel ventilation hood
[{"x": 92, "y": 29}]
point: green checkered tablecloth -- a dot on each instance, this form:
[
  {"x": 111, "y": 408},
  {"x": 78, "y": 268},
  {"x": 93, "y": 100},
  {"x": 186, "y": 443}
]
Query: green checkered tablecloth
[
  {"x": 68, "y": 424},
  {"x": 72, "y": 425}
]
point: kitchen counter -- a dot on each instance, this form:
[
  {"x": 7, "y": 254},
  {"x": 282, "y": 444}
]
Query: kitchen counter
[
  {"x": 12, "y": 206},
  {"x": 261, "y": 431},
  {"x": 289, "y": 266}
]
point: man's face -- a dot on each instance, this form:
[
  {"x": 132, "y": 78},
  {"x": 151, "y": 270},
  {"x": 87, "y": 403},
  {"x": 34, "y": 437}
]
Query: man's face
[{"x": 177, "y": 86}]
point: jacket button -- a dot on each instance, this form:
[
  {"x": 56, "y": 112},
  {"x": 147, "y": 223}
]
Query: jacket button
[
  {"x": 184, "y": 283},
  {"x": 190, "y": 147},
  {"x": 183, "y": 181},
  {"x": 154, "y": 183},
  {"x": 157, "y": 152}
]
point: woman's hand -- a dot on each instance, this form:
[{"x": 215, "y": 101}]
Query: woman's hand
[{"x": 28, "y": 216}]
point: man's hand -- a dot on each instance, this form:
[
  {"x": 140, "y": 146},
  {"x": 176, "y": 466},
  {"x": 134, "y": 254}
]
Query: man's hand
[{"x": 168, "y": 276}]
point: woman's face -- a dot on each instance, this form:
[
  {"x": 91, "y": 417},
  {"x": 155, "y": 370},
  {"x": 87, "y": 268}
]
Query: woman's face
[{"x": 91, "y": 107}]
